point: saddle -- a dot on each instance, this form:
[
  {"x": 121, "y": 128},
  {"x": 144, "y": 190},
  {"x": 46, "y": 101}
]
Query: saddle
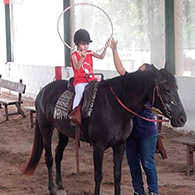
[{"x": 63, "y": 106}]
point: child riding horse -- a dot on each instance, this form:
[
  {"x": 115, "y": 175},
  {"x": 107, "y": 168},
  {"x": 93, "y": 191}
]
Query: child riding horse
[{"x": 109, "y": 124}]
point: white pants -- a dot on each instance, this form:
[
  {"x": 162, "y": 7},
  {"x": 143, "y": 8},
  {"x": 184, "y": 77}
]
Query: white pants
[{"x": 79, "y": 89}]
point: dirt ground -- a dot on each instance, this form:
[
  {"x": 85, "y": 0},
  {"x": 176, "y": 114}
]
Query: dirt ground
[{"x": 16, "y": 140}]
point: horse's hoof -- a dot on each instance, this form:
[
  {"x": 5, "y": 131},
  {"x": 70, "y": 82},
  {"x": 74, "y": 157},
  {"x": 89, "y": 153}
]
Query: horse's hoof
[
  {"x": 53, "y": 193},
  {"x": 62, "y": 192}
]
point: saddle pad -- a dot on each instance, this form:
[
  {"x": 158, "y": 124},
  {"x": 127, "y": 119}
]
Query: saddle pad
[{"x": 61, "y": 107}]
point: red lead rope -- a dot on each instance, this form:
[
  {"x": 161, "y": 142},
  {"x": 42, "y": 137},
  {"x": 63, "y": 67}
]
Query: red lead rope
[{"x": 126, "y": 108}]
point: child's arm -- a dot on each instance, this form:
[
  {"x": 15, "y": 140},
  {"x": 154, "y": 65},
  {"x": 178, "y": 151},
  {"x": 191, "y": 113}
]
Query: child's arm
[
  {"x": 100, "y": 56},
  {"x": 77, "y": 64}
]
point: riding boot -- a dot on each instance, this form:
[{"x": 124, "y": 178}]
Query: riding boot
[{"x": 75, "y": 115}]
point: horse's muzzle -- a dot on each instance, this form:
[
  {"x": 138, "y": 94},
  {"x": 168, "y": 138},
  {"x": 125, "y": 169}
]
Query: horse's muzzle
[{"x": 180, "y": 122}]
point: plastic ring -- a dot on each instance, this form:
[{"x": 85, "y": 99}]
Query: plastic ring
[{"x": 89, "y": 4}]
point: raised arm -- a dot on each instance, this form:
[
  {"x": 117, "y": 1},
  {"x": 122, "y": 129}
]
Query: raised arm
[
  {"x": 102, "y": 55},
  {"x": 117, "y": 61}
]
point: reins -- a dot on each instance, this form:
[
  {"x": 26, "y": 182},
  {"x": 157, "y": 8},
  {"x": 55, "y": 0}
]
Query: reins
[
  {"x": 154, "y": 110},
  {"x": 131, "y": 111}
]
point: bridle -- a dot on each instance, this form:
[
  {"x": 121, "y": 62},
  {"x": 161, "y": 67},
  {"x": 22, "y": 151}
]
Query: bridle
[{"x": 156, "y": 91}]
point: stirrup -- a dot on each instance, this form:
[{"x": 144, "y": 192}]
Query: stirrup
[
  {"x": 75, "y": 116},
  {"x": 73, "y": 123}
]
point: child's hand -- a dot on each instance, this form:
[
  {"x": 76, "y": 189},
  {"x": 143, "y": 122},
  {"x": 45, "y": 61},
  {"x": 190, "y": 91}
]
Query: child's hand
[
  {"x": 113, "y": 44},
  {"x": 83, "y": 54},
  {"x": 108, "y": 42}
]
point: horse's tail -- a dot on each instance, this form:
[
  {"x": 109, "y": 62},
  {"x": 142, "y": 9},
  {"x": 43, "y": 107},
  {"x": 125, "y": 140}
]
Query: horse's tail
[{"x": 37, "y": 150}]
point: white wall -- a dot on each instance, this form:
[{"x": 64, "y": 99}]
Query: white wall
[
  {"x": 36, "y": 77},
  {"x": 187, "y": 94}
]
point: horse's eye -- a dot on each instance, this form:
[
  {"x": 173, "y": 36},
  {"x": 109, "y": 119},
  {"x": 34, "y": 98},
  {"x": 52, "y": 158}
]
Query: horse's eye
[{"x": 167, "y": 91}]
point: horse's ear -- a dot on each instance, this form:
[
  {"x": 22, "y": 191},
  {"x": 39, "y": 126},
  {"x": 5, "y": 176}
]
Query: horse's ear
[
  {"x": 153, "y": 67},
  {"x": 167, "y": 65}
]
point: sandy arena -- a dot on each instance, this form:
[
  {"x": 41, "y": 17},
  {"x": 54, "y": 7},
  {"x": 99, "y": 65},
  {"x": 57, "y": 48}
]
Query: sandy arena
[{"x": 16, "y": 140}]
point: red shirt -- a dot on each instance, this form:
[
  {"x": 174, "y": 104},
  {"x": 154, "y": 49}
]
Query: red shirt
[{"x": 86, "y": 68}]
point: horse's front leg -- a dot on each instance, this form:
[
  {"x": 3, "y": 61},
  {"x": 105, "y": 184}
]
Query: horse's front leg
[
  {"x": 98, "y": 154},
  {"x": 118, "y": 152},
  {"x": 62, "y": 143}
]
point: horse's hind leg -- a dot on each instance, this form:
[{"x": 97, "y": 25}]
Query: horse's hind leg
[
  {"x": 47, "y": 137},
  {"x": 118, "y": 152},
  {"x": 63, "y": 141}
]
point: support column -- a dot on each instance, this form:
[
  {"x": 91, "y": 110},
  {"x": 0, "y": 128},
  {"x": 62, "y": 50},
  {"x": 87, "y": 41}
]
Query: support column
[
  {"x": 169, "y": 34},
  {"x": 8, "y": 30},
  {"x": 178, "y": 23},
  {"x": 67, "y": 27}
]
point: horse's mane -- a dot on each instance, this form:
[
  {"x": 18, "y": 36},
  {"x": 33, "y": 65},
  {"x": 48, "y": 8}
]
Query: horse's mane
[
  {"x": 141, "y": 81},
  {"x": 132, "y": 82}
]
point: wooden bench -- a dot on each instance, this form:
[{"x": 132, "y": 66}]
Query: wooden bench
[
  {"x": 31, "y": 110},
  {"x": 12, "y": 86},
  {"x": 189, "y": 141}
]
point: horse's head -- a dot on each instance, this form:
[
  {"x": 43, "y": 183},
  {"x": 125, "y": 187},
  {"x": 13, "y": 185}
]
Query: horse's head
[{"x": 166, "y": 98}]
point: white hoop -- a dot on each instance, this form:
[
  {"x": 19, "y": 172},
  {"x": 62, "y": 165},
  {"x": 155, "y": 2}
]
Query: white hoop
[{"x": 89, "y": 4}]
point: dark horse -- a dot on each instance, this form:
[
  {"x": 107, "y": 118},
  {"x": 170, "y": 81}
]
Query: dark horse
[{"x": 109, "y": 124}]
